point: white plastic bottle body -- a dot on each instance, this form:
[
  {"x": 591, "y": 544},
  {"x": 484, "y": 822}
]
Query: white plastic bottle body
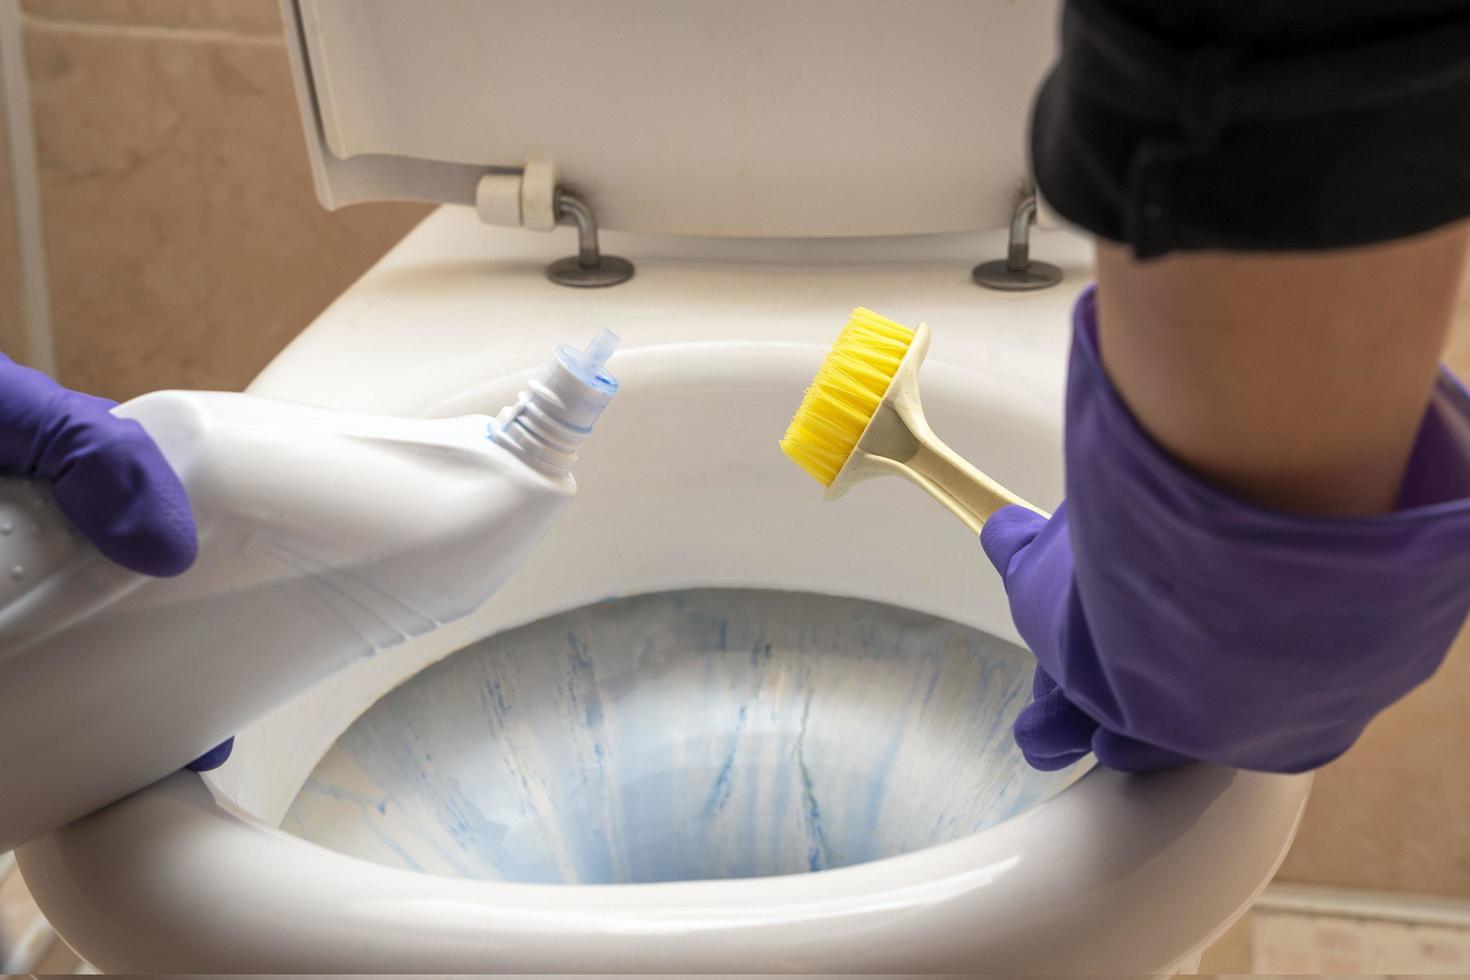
[{"x": 324, "y": 537}]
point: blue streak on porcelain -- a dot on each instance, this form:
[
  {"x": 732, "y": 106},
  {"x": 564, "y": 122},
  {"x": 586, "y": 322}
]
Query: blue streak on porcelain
[{"x": 693, "y": 734}]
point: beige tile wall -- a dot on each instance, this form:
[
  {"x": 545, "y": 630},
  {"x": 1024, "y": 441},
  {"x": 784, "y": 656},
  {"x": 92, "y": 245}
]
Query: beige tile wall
[
  {"x": 242, "y": 16},
  {"x": 1394, "y": 813},
  {"x": 184, "y": 243},
  {"x": 12, "y": 329}
]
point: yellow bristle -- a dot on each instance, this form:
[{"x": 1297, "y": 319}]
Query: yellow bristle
[{"x": 846, "y": 392}]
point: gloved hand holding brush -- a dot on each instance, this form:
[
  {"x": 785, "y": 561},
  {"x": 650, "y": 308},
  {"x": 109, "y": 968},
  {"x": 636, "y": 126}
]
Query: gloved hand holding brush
[
  {"x": 1266, "y": 537},
  {"x": 1172, "y": 621}
]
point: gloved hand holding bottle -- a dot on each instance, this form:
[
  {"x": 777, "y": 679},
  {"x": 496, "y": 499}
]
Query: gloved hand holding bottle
[
  {"x": 105, "y": 474},
  {"x": 323, "y": 538}
]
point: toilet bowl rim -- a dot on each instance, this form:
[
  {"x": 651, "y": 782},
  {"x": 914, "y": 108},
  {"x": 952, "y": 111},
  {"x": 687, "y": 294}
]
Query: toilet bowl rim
[
  {"x": 86, "y": 875},
  {"x": 177, "y": 868}
]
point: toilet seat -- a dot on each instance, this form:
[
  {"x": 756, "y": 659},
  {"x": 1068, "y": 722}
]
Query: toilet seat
[
  {"x": 764, "y": 118},
  {"x": 191, "y": 875}
]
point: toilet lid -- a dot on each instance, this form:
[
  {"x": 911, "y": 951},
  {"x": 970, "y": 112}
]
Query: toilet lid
[{"x": 760, "y": 118}]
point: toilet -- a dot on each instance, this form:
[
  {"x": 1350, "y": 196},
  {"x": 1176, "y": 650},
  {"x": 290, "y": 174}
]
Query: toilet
[{"x": 716, "y": 724}]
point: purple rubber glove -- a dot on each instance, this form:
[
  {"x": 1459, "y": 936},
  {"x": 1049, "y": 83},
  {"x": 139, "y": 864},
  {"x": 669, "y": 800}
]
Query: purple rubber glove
[
  {"x": 1172, "y": 622},
  {"x": 106, "y": 476}
]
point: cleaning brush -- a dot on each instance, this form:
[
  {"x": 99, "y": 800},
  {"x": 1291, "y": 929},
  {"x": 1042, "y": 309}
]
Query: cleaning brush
[{"x": 862, "y": 418}]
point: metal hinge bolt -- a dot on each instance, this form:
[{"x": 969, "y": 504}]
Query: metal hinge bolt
[
  {"x": 1018, "y": 271},
  {"x": 589, "y": 268}
]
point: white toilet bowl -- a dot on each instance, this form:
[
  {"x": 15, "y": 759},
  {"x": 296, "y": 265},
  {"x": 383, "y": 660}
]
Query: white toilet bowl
[
  {"x": 687, "y": 735},
  {"x": 781, "y": 746}
]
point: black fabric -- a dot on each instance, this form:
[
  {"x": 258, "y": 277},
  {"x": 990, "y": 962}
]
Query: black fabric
[{"x": 1257, "y": 125}]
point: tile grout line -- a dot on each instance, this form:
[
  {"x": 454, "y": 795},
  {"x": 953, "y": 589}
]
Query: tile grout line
[
  {"x": 29, "y": 230},
  {"x": 152, "y": 32},
  {"x": 1353, "y": 903}
]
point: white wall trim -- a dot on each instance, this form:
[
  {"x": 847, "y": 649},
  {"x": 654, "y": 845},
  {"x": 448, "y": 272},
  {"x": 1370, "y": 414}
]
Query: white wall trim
[
  {"x": 1356, "y": 903},
  {"x": 15, "y": 91}
]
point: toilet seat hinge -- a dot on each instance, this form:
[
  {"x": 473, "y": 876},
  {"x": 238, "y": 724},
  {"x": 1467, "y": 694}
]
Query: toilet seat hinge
[{"x": 530, "y": 198}]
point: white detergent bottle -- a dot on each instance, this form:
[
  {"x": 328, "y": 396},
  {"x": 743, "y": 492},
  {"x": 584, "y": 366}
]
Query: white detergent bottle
[{"x": 324, "y": 537}]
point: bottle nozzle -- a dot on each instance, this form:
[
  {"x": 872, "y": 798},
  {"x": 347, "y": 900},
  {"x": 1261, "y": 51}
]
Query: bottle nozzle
[
  {"x": 597, "y": 352},
  {"x": 588, "y": 364}
]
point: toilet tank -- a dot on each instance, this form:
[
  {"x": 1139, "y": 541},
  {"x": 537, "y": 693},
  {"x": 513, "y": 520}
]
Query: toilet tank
[{"x": 792, "y": 118}]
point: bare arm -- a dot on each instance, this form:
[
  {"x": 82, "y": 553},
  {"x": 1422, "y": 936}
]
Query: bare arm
[{"x": 1294, "y": 380}]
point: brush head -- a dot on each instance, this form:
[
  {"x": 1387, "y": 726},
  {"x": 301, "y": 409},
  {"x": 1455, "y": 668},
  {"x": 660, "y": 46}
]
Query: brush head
[{"x": 845, "y": 393}]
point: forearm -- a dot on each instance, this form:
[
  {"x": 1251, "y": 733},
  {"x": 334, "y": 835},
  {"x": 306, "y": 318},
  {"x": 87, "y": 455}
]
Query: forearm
[{"x": 1296, "y": 381}]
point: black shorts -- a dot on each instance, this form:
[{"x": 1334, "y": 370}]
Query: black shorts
[{"x": 1257, "y": 124}]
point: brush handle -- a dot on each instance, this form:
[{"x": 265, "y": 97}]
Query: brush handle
[{"x": 966, "y": 491}]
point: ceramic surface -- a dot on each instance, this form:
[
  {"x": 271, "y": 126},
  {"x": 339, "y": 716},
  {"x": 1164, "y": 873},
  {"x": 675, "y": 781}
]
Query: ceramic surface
[{"x": 680, "y": 736}]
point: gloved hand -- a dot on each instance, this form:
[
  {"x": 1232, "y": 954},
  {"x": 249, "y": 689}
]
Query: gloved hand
[
  {"x": 1034, "y": 556},
  {"x": 106, "y": 475},
  {"x": 1171, "y": 621}
]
